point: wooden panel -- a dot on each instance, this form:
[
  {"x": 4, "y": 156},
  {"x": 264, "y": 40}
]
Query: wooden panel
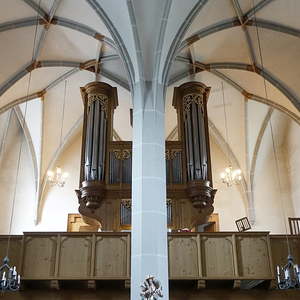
[
  {"x": 39, "y": 257},
  {"x": 14, "y": 253},
  {"x": 183, "y": 257},
  {"x": 218, "y": 256},
  {"x": 76, "y": 223},
  {"x": 280, "y": 249},
  {"x": 253, "y": 256},
  {"x": 215, "y": 227},
  {"x": 111, "y": 257},
  {"x": 75, "y": 256}
]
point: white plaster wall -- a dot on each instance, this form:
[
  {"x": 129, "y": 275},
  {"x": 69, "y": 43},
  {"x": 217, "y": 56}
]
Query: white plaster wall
[
  {"x": 59, "y": 202},
  {"x": 24, "y": 200},
  {"x": 292, "y": 144},
  {"x": 229, "y": 202},
  {"x": 271, "y": 193}
]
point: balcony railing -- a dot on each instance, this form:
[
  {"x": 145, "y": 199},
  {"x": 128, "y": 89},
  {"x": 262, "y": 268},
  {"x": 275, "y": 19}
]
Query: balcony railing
[{"x": 106, "y": 256}]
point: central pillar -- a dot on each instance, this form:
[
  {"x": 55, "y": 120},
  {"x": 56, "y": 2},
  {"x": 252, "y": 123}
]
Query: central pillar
[{"x": 149, "y": 251}]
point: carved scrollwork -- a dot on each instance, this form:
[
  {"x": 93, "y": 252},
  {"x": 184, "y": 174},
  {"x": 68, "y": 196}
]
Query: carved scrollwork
[
  {"x": 171, "y": 154},
  {"x": 151, "y": 288},
  {"x": 122, "y": 154},
  {"x": 126, "y": 203},
  {"x": 103, "y": 100},
  {"x": 189, "y": 99}
]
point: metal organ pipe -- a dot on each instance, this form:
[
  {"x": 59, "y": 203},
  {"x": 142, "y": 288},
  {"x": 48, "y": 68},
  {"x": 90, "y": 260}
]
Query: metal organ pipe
[
  {"x": 196, "y": 137},
  {"x": 101, "y": 149},
  {"x": 96, "y": 145},
  {"x": 190, "y": 148},
  {"x": 103, "y": 152},
  {"x": 88, "y": 143}
]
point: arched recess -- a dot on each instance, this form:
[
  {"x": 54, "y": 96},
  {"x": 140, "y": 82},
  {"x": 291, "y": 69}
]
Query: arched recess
[
  {"x": 29, "y": 142},
  {"x": 72, "y": 132},
  {"x": 233, "y": 159},
  {"x": 17, "y": 177},
  {"x": 258, "y": 144}
]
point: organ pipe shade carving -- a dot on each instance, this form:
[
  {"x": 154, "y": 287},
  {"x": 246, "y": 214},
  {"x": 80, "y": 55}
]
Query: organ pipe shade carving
[
  {"x": 190, "y": 101},
  {"x": 100, "y": 100}
]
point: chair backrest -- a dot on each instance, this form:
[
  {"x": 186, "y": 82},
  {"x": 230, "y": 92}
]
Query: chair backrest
[{"x": 294, "y": 225}]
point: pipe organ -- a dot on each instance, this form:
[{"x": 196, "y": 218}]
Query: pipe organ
[
  {"x": 105, "y": 179},
  {"x": 100, "y": 100}
]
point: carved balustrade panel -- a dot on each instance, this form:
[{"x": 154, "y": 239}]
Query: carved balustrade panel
[
  {"x": 75, "y": 257},
  {"x": 254, "y": 256},
  {"x": 218, "y": 256},
  {"x": 111, "y": 257},
  {"x": 39, "y": 257},
  {"x": 183, "y": 257}
]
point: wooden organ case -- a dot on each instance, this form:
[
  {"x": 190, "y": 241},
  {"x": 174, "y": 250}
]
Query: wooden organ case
[{"x": 104, "y": 192}]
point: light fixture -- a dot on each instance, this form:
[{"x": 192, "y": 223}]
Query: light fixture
[
  {"x": 10, "y": 279},
  {"x": 229, "y": 176},
  {"x": 58, "y": 178},
  {"x": 288, "y": 277}
]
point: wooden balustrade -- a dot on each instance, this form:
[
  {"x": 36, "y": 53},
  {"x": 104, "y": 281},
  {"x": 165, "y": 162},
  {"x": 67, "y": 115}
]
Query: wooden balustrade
[
  {"x": 106, "y": 255},
  {"x": 70, "y": 256},
  {"x": 220, "y": 255}
]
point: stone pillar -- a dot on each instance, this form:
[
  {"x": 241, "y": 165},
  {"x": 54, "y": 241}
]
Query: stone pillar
[
  {"x": 190, "y": 101},
  {"x": 149, "y": 252},
  {"x": 100, "y": 100}
]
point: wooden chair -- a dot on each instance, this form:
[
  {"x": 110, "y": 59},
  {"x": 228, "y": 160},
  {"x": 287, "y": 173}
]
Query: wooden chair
[{"x": 294, "y": 225}]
